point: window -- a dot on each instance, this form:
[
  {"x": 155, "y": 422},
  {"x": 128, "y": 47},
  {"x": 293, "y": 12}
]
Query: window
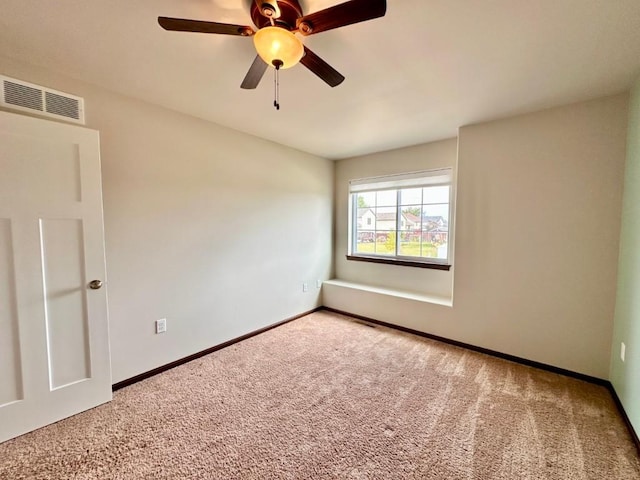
[{"x": 402, "y": 219}]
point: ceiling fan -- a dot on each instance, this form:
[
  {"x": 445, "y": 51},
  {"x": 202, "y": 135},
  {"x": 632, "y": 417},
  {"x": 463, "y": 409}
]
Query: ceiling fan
[{"x": 274, "y": 39}]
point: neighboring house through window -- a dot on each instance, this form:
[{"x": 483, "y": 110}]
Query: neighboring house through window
[{"x": 402, "y": 218}]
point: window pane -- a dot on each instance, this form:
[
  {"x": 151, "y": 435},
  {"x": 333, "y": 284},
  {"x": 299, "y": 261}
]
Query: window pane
[
  {"x": 367, "y": 199},
  {"x": 365, "y": 241},
  {"x": 366, "y": 218},
  {"x": 435, "y": 231},
  {"x": 411, "y": 218},
  {"x": 435, "y": 216},
  {"x": 436, "y": 194},
  {"x": 385, "y": 218},
  {"x": 429, "y": 250},
  {"x": 409, "y": 244},
  {"x": 386, "y": 243},
  {"x": 411, "y": 196},
  {"x": 387, "y": 198}
]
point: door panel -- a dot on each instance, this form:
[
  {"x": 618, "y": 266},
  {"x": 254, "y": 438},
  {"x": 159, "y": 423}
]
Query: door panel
[
  {"x": 32, "y": 163},
  {"x": 54, "y": 360},
  {"x": 65, "y": 307}
]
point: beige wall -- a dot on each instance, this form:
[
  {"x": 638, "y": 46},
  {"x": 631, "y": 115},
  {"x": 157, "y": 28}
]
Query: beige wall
[
  {"x": 211, "y": 228},
  {"x": 536, "y": 242}
]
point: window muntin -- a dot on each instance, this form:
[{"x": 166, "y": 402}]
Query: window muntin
[{"x": 409, "y": 222}]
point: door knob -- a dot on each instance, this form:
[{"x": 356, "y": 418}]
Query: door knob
[{"x": 95, "y": 284}]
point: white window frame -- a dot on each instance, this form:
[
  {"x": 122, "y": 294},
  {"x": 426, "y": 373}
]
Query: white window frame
[{"x": 420, "y": 179}]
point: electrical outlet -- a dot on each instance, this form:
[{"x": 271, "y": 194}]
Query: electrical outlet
[
  {"x": 623, "y": 349},
  {"x": 305, "y": 287},
  {"x": 161, "y": 325},
  {"x": 318, "y": 283}
]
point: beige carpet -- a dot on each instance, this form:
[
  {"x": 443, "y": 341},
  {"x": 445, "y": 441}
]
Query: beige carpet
[{"x": 325, "y": 397}]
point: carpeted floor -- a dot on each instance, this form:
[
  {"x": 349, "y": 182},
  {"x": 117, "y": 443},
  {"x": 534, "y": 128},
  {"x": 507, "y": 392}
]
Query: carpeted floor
[{"x": 325, "y": 397}]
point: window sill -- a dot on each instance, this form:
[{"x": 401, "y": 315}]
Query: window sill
[
  {"x": 331, "y": 287},
  {"x": 402, "y": 263}
]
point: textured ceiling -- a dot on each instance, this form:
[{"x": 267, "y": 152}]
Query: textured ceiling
[{"x": 413, "y": 76}]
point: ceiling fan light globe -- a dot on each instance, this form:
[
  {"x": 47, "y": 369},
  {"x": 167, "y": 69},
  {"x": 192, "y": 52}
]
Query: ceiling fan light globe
[{"x": 276, "y": 43}]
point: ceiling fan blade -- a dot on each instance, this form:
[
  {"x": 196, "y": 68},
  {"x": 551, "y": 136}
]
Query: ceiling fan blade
[
  {"x": 184, "y": 25},
  {"x": 321, "y": 68},
  {"x": 271, "y": 6},
  {"x": 255, "y": 73},
  {"x": 347, "y": 13}
]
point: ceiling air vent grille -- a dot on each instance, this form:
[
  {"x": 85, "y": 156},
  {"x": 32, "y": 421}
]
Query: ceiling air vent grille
[
  {"x": 22, "y": 96},
  {"x": 61, "y": 105},
  {"x": 28, "y": 97}
]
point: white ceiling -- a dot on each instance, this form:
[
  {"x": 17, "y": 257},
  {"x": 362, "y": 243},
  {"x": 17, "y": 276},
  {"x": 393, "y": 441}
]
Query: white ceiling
[{"x": 413, "y": 76}]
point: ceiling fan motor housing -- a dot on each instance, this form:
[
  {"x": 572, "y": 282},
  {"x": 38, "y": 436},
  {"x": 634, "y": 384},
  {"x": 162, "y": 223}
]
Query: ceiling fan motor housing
[{"x": 290, "y": 11}]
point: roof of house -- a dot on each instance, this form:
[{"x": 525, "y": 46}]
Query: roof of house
[
  {"x": 411, "y": 217},
  {"x": 434, "y": 219},
  {"x": 386, "y": 216}
]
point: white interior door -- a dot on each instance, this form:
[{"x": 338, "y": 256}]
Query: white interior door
[{"x": 54, "y": 343}]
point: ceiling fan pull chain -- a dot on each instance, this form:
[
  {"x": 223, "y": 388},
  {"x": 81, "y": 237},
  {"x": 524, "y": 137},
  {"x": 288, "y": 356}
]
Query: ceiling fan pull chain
[
  {"x": 276, "y": 84},
  {"x": 275, "y": 90}
]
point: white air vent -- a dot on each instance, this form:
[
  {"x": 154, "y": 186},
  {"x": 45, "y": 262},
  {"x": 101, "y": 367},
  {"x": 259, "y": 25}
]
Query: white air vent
[{"x": 32, "y": 98}]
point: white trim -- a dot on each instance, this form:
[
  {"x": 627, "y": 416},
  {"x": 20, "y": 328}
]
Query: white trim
[{"x": 425, "y": 178}]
